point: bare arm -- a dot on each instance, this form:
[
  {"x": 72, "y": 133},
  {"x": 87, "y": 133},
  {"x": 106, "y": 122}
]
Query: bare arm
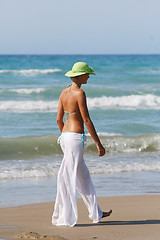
[
  {"x": 89, "y": 125},
  {"x": 60, "y": 114}
]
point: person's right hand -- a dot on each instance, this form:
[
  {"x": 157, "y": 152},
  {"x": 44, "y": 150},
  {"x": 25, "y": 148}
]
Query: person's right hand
[{"x": 101, "y": 150}]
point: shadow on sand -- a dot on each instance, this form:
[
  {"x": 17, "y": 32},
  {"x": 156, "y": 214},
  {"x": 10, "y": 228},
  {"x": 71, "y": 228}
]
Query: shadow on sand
[{"x": 139, "y": 222}]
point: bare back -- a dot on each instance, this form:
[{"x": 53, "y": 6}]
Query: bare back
[
  {"x": 70, "y": 107},
  {"x": 72, "y": 103}
]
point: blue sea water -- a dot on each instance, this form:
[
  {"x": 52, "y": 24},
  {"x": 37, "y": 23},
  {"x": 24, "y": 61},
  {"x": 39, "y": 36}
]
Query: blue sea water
[{"x": 124, "y": 103}]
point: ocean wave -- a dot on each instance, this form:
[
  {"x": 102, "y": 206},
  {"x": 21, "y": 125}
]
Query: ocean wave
[
  {"x": 151, "y": 71},
  {"x": 48, "y": 167},
  {"x": 105, "y": 134},
  {"x": 40, "y": 92},
  {"x": 29, "y": 169},
  {"x": 124, "y": 166},
  {"x": 27, "y": 90},
  {"x": 131, "y": 102},
  {"x": 31, "y": 72},
  {"x": 28, "y": 106},
  {"x": 31, "y": 147},
  {"x": 92, "y": 92},
  {"x": 133, "y": 144}
]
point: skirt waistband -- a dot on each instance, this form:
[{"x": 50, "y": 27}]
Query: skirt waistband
[{"x": 82, "y": 135}]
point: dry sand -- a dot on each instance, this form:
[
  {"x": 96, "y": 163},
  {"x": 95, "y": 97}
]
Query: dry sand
[{"x": 133, "y": 218}]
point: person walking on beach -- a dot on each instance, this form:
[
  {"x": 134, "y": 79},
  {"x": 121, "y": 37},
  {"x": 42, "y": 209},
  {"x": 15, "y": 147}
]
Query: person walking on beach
[{"x": 73, "y": 173}]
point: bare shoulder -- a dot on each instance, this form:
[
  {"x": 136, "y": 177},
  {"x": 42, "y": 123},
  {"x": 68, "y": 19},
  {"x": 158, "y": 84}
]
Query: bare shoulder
[
  {"x": 81, "y": 93},
  {"x": 63, "y": 93},
  {"x": 64, "y": 90},
  {"x": 81, "y": 96}
]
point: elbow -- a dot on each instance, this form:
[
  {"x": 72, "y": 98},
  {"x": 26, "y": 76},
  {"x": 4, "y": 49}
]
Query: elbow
[
  {"x": 87, "y": 121},
  {"x": 59, "y": 121}
]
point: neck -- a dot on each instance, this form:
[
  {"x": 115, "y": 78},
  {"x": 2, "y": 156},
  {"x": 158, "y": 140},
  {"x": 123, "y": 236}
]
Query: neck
[{"x": 76, "y": 84}]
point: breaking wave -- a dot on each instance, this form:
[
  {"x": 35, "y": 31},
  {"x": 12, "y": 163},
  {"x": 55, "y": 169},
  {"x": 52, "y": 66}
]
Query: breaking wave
[
  {"x": 41, "y": 156},
  {"x": 131, "y": 102},
  {"x": 147, "y": 101},
  {"x": 27, "y": 90},
  {"x": 30, "y": 147},
  {"x": 49, "y": 168},
  {"x": 28, "y": 106},
  {"x": 31, "y": 72}
]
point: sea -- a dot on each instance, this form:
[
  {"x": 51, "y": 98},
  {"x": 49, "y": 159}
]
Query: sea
[{"x": 123, "y": 99}]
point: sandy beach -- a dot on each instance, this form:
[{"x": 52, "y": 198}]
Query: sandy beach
[{"x": 133, "y": 218}]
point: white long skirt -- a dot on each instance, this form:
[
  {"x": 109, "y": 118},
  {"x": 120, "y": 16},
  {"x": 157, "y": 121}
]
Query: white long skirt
[{"x": 73, "y": 174}]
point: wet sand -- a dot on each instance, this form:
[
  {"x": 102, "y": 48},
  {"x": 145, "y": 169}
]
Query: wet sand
[{"x": 133, "y": 218}]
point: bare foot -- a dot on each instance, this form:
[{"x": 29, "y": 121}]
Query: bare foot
[{"x": 107, "y": 214}]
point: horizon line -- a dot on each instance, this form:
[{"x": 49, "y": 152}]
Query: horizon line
[{"x": 74, "y": 54}]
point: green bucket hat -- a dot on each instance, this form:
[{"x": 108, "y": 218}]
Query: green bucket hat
[{"x": 80, "y": 68}]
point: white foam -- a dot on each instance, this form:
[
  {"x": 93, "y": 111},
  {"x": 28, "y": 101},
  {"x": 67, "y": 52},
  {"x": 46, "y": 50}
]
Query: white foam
[
  {"x": 132, "y": 102},
  {"x": 31, "y": 72},
  {"x": 28, "y": 106},
  {"x": 125, "y": 102},
  {"x": 37, "y": 169},
  {"x": 105, "y": 134},
  {"x": 27, "y": 90},
  {"x": 24, "y": 170},
  {"x": 127, "y": 144},
  {"x": 134, "y": 144},
  {"x": 107, "y": 168},
  {"x": 151, "y": 71}
]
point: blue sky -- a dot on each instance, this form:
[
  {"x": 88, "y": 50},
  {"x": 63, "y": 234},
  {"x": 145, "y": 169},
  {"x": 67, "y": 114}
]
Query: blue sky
[{"x": 79, "y": 27}]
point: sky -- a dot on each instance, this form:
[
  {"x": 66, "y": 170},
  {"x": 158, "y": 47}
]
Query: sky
[{"x": 79, "y": 27}]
